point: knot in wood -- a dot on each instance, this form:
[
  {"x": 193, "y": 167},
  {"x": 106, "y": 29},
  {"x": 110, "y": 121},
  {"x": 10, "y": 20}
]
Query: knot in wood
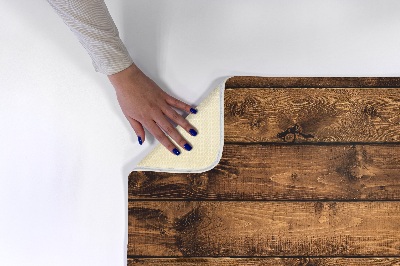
[{"x": 295, "y": 130}]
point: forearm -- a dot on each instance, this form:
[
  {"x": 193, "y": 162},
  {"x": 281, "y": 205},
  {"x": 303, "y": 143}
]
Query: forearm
[{"x": 95, "y": 29}]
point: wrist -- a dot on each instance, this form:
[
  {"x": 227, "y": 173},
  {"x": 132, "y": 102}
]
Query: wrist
[
  {"x": 121, "y": 79},
  {"x": 132, "y": 70}
]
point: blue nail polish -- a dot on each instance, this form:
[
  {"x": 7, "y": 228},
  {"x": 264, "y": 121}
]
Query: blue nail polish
[
  {"x": 187, "y": 146},
  {"x": 192, "y": 132},
  {"x": 193, "y": 110},
  {"x": 140, "y": 140},
  {"x": 175, "y": 150}
]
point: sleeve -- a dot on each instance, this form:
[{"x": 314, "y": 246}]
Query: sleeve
[{"x": 95, "y": 29}]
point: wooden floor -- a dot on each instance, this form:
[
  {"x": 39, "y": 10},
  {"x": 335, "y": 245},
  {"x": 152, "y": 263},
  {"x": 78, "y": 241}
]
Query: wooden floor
[{"x": 309, "y": 175}]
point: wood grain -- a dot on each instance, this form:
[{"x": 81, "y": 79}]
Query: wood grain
[
  {"x": 282, "y": 172},
  {"x": 236, "y": 228},
  {"x": 310, "y": 82},
  {"x": 326, "y": 193},
  {"x": 264, "y": 261},
  {"x": 329, "y": 115}
]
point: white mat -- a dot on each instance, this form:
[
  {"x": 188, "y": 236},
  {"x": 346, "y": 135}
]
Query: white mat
[{"x": 207, "y": 144}]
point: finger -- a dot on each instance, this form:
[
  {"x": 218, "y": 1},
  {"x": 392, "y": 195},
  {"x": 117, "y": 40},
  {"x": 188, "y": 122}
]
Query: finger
[
  {"x": 161, "y": 137},
  {"x": 179, "y": 104},
  {"x": 138, "y": 128},
  {"x": 172, "y": 132},
  {"x": 179, "y": 120}
]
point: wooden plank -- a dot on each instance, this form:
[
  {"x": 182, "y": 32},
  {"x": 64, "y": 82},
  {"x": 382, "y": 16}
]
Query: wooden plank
[
  {"x": 264, "y": 261},
  {"x": 316, "y": 82},
  {"x": 235, "y": 228},
  {"x": 282, "y": 172},
  {"x": 324, "y": 115}
]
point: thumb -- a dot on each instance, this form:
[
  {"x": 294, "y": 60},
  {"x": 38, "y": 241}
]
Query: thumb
[{"x": 138, "y": 128}]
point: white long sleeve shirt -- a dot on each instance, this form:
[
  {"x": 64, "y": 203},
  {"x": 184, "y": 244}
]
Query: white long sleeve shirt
[{"x": 95, "y": 29}]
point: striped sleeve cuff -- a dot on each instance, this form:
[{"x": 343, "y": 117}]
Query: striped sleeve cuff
[{"x": 95, "y": 29}]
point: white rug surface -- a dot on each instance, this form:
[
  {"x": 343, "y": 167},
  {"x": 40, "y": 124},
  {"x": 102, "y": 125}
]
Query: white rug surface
[{"x": 207, "y": 144}]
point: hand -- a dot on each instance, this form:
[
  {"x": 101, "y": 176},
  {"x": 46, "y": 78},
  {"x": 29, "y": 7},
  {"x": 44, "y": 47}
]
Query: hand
[{"x": 144, "y": 103}]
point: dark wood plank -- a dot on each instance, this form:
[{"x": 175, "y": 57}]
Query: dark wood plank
[
  {"x": 264, "y": 261},
  {"x": 235, "y": 228},
  {"x": 282, "y": 172},
  {"x": 322, "y": 114},
  {"x": 316, "y": 82}
]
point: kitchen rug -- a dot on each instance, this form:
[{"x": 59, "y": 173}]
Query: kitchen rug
[{"x": 207, "y": 144}]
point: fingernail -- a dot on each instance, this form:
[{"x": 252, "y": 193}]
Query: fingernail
[
  {"x": 140, "y": 140},
  {"x": 193, "y": 110},
  {"x": 175, "y": 150},
  {"x": 192, "y": 132},
  {"x": 187, "y": 146}
]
